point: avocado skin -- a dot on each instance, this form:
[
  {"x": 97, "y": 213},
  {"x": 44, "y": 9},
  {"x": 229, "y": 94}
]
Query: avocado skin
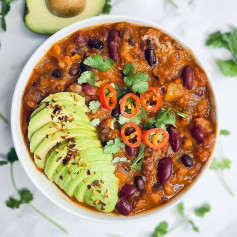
[{"x": 58, "y": 23}]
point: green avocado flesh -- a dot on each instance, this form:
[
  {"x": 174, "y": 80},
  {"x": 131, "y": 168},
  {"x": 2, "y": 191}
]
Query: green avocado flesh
[
  {"x": 39, "y": 19},
  {"x": 66, "y": 147}
]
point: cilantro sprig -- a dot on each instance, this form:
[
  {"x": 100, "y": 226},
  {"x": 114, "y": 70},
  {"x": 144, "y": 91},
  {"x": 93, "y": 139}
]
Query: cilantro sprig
[
  {"x": 95, "y": 122},
  {"x": 97, "y": 61},
  {"x": 229, "y": 41},
  {"x": 4, "y": 11},
  {"x": 107, "y": 7},
  {"x": 113, "y": 146},
  {"x": 163, "y": 227},
  {"x": 222, "y": 164},
  {"x": 25, "y": 195},
  {"x": 137, "y": 81},
  {"x": 87, "y": 77},
  {"x": 138, "y": 161},
  {"x": 94, "y": 106}
]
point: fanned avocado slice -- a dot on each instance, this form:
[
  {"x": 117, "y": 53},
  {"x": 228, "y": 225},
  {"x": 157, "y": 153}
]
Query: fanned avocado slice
[
  {"x": 56, "y": 114},
  {"x": 51, "y": 127},
  {"x": 49, "y": 142},
  {"x": 36, "y": 111}
]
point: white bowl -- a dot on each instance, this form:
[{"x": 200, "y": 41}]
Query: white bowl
[{"x": 48, "y": 188}]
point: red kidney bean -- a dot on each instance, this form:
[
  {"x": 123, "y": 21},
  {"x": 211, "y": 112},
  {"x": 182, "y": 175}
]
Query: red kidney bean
[
  {"x": 131, "y": 151},
  {"x": 164, "y": 169},
  {"x": 150, "y": 56},
  {"x": 174, "y": 138},
  {"x": 139, "y": 182},
  {"x": 188, "y": 77},
  {"x": 89, "y": 90},
  {"x": 124, "y": 206},
  {"x": 80, "y": 40},
  {"x": 113, "y": 44},
  {"x": 187, "y": 161},
  {"x": 127, "y": 190},
  {"x": 74, "y": 69},
  {"x": 198, "y": 134}
]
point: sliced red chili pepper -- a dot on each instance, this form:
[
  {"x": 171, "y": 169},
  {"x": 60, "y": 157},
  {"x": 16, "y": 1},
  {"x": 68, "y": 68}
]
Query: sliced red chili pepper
[
  {"x": 131, "y": 134},
  {"x": 151, "y": 100},
  {"x": 108, "y": 96},
  {"x": 130, "y": 105},
  {"x": 156, "y": 138}
]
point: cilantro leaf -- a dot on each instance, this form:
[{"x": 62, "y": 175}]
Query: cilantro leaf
[
  {"x": 121, "y": 92},
  {"x": 216, "y": 40},
  {"x": 228, "y": 67},
  {"x": 4, "y": 11},
  {"x": 195, "y": 228},
  {"x": 137, "y": 163},
  {"x": 222, "y": 165},
  {"x": 97, "y": 62},
  {"x": 161, "y": 229},
  {"x": 112, "y": 123},
  {"x": 2, "y": 162},
  {"x": 224, "y": 132},
  {"x": 113, "y": 146},
  {"x": 129, "y": 69},
  {"x": 201, "y": 211},
  {"x": 150, "y": 123},
  {"x": 180, "y": 208},
  {"x": 12, "y": 156},
  {"x": 164, "y": 118},
  {"x": 87, "y": 77},
  {"x": 95, "y": 122},
  {"x": 25, "y": 197},
  {"x": 94, "y": 106},
  {"x": 120, "y": 159},
  {"x": 107, "y": 7}
]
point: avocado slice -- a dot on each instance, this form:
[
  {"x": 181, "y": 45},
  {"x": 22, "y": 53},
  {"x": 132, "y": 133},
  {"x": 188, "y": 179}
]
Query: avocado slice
[
  {"x": 38, "y": 18},
  {"x": 51, "y": 113},
  {"x": 48, "y": 143},
  {"x": 51, "y": 128}
]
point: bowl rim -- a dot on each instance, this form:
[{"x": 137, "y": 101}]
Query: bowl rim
[{"x": 20, "y": 146}]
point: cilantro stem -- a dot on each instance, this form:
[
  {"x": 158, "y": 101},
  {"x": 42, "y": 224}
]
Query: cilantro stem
[
  {"x": 3, "y": 118},
  {"x": 32, "y": 206},
  {"x": 178, "y": 224},
  {"x": 173, "y": 3},
  {"x": 48, "y": 218}
]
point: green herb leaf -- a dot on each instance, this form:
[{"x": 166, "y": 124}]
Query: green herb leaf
[
  {"x": 165, "y": 118},
  {"x": 195, "y": 228},
  {"x": 137, "y": 163},
  {"x": 181, "y": 114},
  {"x": 2, "y": 162},
  {"x": 161, "y": 229},
  {"x": 97, "y": 62},
  {"x": 87, "y": 77},
  {"x": 12, "y": 156},
  {"x": 95, "y": 122},
  {"x": 222, "y": 165},
  {"x": 113, "y": 146},
  {"x": 224, "y": 132},
  {"x": 180, "y": 208},
  {"x": 129, "y": 69},
  {"x": 25, "y": 197},
  {"x": 121, "y": 92},
  {"x": 94, "y": 106},
  {"x": 228, "y": 67},
  {"x": 107, "y": 7},
  {"x": 150, "y": 123},
  {"x": 112, "y": 123},
  {"x": 201, "y": 211},
  {"x": 120, "y": 159},
  {"x": 217, "y": 40}
]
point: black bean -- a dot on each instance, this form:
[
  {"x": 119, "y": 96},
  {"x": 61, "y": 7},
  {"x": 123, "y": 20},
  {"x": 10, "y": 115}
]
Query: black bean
[
  {"x": 150, "y": 56},
  {"x": 188, "y": 77},
  {"x": 74, "y": 69},
  {"x": 56, "y": 73},
  {"x": 198, "y": 134},
  {"x": 127, "y": 190},
  {"x": 187, "y": 161},
  {"x": 139, "y": 182},
  {"x": 124, "y": 206},
  {"x": 116, "y": 112},
  {"x": 174, "y": 138},
  {"x": 95, "y": 43},
  {"x": 131, "y": 151},
  {"x": 164, "y": 169},
  {"x": 85, "y": 68}
]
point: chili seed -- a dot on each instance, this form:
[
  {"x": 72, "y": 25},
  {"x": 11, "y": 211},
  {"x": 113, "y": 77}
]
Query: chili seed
[
  {"x": 56, "y": 73},
  {"x": 187, "y": 161},
  {"x": 95, "y": 43},
  {"x": 139, "y": 182}
]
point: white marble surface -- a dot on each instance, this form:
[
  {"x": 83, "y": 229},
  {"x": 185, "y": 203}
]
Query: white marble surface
[{"x": 192, "y": 21}]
